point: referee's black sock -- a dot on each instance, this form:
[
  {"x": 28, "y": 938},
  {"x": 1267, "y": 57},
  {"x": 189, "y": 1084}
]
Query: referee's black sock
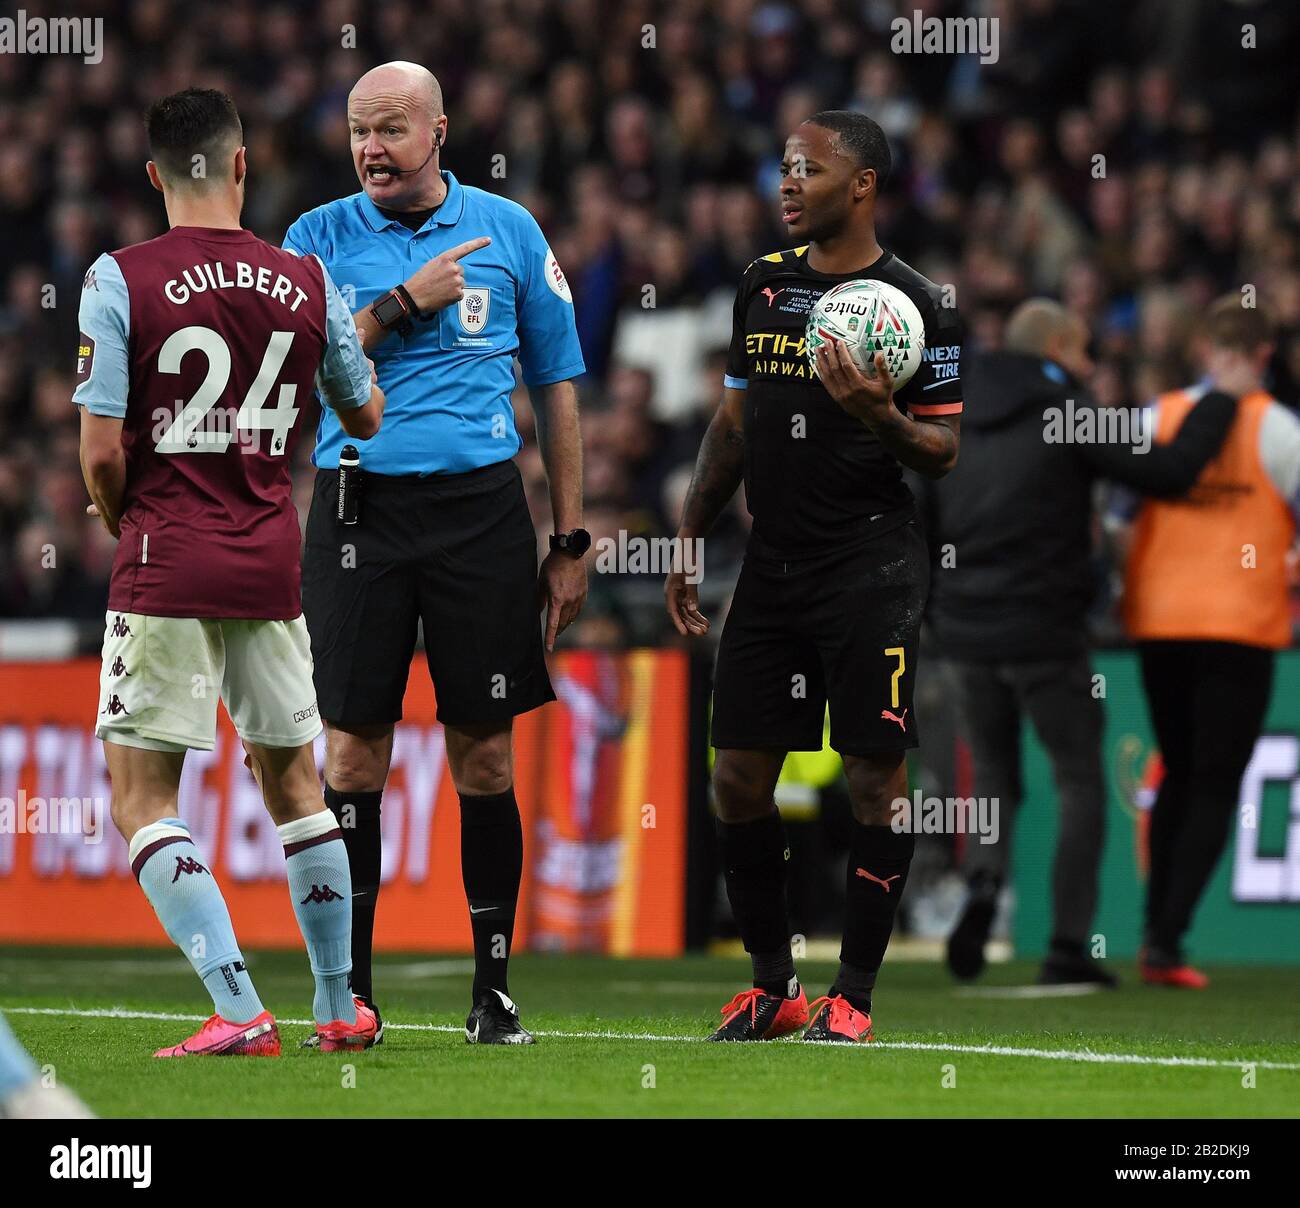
[
  {"x": 879, "y": 858},
  {"x": 754, "y": 856},
  {"x": 358, "y": 817},
  {"x": 491, "y": 864}
]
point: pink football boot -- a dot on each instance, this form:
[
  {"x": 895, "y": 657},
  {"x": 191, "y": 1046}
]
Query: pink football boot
[
  {"x": 339, "y": 1035},
  {"x": 221, "y": 1038}
]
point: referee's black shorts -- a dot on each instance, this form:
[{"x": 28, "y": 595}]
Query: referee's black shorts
[
  {"x": 839, "y": 628},
  {"x": 455, "y": 551}
]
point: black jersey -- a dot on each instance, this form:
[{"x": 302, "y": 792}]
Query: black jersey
[{"x": 815, "y": 476}]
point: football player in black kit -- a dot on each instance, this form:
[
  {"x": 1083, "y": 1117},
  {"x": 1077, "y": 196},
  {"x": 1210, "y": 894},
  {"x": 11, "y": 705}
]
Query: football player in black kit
[{"x": 828, "y": 605}]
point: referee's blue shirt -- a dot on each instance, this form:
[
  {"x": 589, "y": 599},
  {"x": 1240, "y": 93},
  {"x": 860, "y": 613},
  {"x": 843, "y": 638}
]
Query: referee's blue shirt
[{"x": 448, "y": 384}]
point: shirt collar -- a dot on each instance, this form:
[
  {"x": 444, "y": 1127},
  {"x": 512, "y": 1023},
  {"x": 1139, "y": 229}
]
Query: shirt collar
[{"x": 447, "y": 214}]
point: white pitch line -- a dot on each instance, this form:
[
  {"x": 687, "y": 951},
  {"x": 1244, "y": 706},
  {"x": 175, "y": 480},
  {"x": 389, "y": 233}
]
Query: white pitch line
[
  {"x": 1067, "y": 990},
  {"x": 172, "y": 966},
  {"x": 979, "y": 1050}
]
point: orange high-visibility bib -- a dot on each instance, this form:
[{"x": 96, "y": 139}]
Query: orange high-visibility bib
[{"x": 1211, "y": 566}]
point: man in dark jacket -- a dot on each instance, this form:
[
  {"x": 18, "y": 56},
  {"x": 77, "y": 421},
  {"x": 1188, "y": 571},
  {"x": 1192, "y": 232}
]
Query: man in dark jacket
[{"x": 1010, "y": 533}]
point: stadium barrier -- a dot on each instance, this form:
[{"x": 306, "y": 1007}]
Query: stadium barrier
[{"x": 600, "y": 777}]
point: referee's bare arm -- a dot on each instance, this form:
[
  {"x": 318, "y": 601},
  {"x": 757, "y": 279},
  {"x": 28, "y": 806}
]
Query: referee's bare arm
[
  {"x": 435, "y": 284},
  {"x": 719, "y": 467},
  {"x": 562, "y": 580}
]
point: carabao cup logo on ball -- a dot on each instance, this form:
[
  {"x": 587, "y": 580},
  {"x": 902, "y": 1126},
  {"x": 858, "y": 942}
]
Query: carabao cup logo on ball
[{"x": 869, "y": 317}]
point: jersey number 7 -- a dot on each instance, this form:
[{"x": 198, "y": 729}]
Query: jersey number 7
[{"x": 189, "y": 433}]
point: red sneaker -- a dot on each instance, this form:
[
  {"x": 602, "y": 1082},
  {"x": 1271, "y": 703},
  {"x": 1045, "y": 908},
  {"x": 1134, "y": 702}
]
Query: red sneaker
[
  {"x": 756, "y": 1015},
  {"x": 339, "y": 1035},
  {"x": 220, "y": 1038},
  {"x": 837, "y": 1021},
  {"x": 1182, "y": 977}
]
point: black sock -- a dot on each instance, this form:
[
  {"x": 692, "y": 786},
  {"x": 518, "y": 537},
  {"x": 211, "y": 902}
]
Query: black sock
[
  {"x": 491, "y": 864},
  {"x": 856, "y": 985},
  {"x": 879, "y": 858},
  {"x": 754, "y": 856},
  {"x": 358, "y": 817}
]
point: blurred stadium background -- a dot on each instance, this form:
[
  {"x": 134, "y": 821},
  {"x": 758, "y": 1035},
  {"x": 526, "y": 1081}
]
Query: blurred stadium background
[{"x": 645, "y": 136}]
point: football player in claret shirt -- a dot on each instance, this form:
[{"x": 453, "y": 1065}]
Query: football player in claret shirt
[
  {"x": 828, "y": 605},
  {"x": 198, "y": 351}
]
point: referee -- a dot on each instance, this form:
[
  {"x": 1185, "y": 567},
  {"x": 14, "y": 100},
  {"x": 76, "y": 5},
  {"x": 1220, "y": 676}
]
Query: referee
[
  {"x": 450, "y": 284},
  {"x": 828, "y": 605}
]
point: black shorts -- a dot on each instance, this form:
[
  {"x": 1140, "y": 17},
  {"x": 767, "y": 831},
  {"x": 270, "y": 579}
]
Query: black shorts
[
  {"x": 839, "y": 628},
  {"x": 455, "y": 551}
]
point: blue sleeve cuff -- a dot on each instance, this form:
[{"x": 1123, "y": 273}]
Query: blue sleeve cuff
[
  {"x": 108, "y": 410},
  {"x": 565, "y": 373},
  {"x": 735, "y": 383}
]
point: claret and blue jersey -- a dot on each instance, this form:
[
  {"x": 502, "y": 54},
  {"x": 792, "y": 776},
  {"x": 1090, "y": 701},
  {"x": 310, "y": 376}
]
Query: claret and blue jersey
[{"x": 448, "y": 383}]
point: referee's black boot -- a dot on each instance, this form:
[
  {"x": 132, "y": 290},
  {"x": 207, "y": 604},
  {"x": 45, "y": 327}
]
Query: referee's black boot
[{"x": 495, "y": 1020}]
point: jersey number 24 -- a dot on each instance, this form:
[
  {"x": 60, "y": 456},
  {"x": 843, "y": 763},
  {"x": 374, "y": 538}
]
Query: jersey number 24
[{"x": 192, "y": 431}]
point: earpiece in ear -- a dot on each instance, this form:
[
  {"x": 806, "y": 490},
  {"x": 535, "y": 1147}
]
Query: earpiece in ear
[{"x": 437, "y": 139}]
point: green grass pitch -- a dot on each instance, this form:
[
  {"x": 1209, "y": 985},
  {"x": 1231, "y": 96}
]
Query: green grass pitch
[{"x": 621, "y": 1038}]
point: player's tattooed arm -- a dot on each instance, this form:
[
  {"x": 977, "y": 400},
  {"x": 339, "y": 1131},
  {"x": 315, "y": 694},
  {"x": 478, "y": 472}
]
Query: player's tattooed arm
[
  {"x": 719, "y": 468},
  {"x": 928, "y": 446},
  {"x": 103, "y": 465}
]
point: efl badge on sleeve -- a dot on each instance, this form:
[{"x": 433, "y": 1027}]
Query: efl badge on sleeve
[
  {"x": 85, "y": 357},
  {"x": 474, "y": 310}
]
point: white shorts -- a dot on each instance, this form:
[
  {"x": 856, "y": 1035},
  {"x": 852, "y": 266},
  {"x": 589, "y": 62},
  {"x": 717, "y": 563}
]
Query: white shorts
[{"x": 161, "y": 677}]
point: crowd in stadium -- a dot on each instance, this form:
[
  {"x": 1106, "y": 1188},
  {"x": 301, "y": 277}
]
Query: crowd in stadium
[{"x": 1099, "y": 160}]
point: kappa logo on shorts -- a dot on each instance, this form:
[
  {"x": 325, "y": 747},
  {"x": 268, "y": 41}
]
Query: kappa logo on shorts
[
  {"x": 474, "y": 310},
  {"x": 115, "y": 707},
  {"x": 118, "y": 668},
  {"x": 304, "y": 714},
  {"x": 120, "y": 628}
]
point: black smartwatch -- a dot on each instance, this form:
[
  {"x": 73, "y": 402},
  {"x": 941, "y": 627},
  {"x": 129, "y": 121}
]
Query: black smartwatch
[
  {"x": 575, "y": 544},
  {"x": 395, "y": 311}
]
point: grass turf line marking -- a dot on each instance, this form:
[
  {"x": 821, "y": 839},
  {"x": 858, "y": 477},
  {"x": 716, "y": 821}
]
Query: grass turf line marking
[
  {"x": 989, "y": 1050},
  {"x": 1067, "y": 990},
  {"x": 173, "y": 966}
]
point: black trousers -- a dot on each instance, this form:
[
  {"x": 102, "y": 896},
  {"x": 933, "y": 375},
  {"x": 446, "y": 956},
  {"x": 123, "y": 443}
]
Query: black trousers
[
  {"x": 1058, "y": 699},
  {"x": 1208, "y": 701}
]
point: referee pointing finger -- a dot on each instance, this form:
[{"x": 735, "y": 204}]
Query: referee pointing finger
[{"x": 450, "y": 284}]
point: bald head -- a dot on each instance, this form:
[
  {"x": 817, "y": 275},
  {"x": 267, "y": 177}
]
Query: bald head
[
  {"x": 1043, "y": 328},
  {"x": 405, "y": 85},
  {"x": 397, "y": 131},
  {"x": 1034, "y": 324}
]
